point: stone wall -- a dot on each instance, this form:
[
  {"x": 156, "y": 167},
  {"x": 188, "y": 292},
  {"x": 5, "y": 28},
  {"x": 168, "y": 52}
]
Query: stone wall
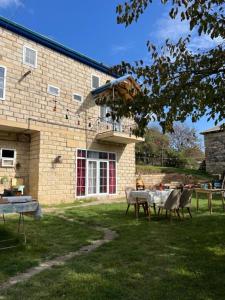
[
  {"x": 151, "y": 180},
  {"x": 34, "y": 165},
  {"x": 215, "y": 152},
  {"x": 57, "y": 182},
  {"x": 28, "y": 99},
  {"x": 59, "y": 130}
]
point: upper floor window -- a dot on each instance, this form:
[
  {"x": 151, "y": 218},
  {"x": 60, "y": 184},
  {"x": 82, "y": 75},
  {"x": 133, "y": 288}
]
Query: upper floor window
[
  {"x": 29, "y": 56},
  {"x": 77, "y": 98},
  {"x": 2, "y": 82},
  {"x": 105, "y": 114},
  {"x": 95, "y": 82},
  {"x": 53, "y": 90}
]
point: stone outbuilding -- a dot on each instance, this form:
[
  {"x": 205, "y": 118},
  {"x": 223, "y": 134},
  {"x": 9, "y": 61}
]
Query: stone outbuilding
[{"x": 215, "y": 149}]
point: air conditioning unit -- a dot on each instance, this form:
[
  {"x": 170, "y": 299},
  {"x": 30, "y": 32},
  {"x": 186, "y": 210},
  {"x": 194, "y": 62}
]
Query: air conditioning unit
[{"x": 8, "y": 157}]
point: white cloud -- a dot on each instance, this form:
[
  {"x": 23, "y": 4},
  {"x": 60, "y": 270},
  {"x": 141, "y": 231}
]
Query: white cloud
[
  {"x": 203, "y": 42},
  {"x": 117, "y": 49},
  {"x": 173, "y": 29},
  {"x": 7, "y": 3},
  {"x": 167, "y": 28}
]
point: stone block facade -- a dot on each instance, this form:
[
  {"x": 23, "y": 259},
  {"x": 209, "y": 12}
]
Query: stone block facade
[
  {"x": 53, "y": 125},
  {"x": 215, "y": 152}
]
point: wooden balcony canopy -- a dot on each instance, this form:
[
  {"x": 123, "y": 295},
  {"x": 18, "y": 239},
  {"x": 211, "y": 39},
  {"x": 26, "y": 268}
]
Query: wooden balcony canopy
[{"x": 125, "y": 87}]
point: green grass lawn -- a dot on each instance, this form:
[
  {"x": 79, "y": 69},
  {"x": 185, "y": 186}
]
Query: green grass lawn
[
  {"x": 148, "y": 169},
  {"x": 47, "y": 238},
  {"x": 148, "y": 260}
]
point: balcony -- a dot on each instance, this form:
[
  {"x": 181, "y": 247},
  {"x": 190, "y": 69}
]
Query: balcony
[{"x": 114, "y": 132}]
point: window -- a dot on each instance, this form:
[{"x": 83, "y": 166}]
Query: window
[
  {"x": 53, "y": 90},
  {"x": 105, "y": 117},
  {"x": 105, "y": 114},
  {"x": 2, "y": 82},
  {"x": 8, "y": 157},
  {"x": 30, "y": 56},
  {"x": 81, "y": 176},
  {"x": 77, "y": 98},
  {"x": 96, "y": 173},
  {"x": 95, "y": 82},
  {"x": 112, "y": 177}
]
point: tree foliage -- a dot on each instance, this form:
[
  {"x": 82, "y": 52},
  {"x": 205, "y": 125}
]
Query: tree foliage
[
  {"x": 154, "y": 142},
  {"x": 183, "y": 138},
  {"x": 178, "y": 149},
  {"x": 177, "y": 83}
]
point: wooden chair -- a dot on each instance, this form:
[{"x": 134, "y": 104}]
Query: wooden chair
[{"x": 132, "y": 201}]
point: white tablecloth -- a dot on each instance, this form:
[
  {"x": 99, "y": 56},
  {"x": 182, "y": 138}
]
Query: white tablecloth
[{"x": 153, "y": 197}]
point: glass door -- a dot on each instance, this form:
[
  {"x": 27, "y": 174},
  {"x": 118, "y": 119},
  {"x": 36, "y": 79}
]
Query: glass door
[
  {"x": 97, "y": 177},
  {"x": 92, "y": 177}
]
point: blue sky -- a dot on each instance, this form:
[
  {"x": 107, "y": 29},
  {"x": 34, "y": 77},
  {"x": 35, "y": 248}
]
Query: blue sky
[{"x": 90, "y": 27}]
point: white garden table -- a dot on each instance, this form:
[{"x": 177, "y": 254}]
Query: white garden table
[
  {"x": 153, "y": 198},
  {"x": 30, "y": 207}
]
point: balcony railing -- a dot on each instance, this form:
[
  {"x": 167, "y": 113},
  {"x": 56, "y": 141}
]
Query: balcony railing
[
  {"x": 117, "y": 132},
  {"x": 104, "y": 125}
]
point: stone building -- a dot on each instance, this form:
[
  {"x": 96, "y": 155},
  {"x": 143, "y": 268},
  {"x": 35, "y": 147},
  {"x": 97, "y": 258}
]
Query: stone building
[
  {"x": 52, "y": 133},
  {"x": 215, "y": 150}
]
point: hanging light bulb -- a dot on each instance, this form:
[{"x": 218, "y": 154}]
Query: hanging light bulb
[
  {"x": 54, "y": 108},
  {"x": 67, "y": 114}
]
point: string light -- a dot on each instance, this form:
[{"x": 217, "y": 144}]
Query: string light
[
  {"x": 14, "y": 81},
  {"x": 67, "y": 114},
  {"x": 54, "y": 109}
]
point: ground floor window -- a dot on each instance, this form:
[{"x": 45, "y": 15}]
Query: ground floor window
[{"x": 96, "y": 172}]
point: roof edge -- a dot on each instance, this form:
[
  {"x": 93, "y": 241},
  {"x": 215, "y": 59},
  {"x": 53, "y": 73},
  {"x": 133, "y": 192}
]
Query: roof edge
[
  {"x": 218, "y": 128},
  {"x": 45, "y": 41}
]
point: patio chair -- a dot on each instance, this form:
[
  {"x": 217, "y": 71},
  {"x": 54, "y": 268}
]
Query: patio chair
[
  {"x": 132, "y": 201},
  {"x": 172, "y": 204},
  {"x": 185, "y": 201}
]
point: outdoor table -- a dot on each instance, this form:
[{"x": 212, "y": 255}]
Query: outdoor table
[
  {"x": 31, "y": 207},
  {"x": 152, "y": 197},
  {"x": 209, "y": 193}
]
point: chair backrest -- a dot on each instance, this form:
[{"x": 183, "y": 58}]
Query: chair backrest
[
  {"x": 128, "y": 191},
  {"x": 185, "y": 197},
  {"x": 173, "y": 200},
  {"x": 140, "y": 183}
]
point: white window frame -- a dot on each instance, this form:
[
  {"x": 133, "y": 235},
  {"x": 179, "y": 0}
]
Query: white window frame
[
  {"x": 86, "y": 168},
  {"x": 9, "y": 158},
  {"x": 4, "y": 83},
  {"x": 76, "y": 94},
  {"x": 50, "y": 93},
  {"x": 94, "y": 75},
  {"x": 24, "y": 56}
]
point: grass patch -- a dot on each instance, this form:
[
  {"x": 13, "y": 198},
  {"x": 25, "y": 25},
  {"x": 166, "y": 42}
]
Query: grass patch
[
  {"x": 76, "y": 202},
  {"x": 47, "y": 238},
  {"x": 147, "y": 169},
  {"x": 156, "y": 260}
]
